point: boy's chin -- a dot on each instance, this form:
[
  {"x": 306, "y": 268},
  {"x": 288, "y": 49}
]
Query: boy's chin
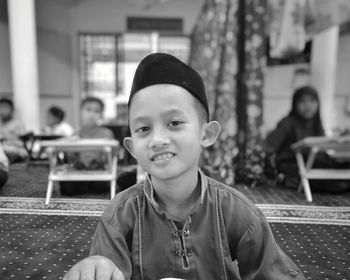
[
  {"x": 166, "y": 175},
  {"x": 161, "y": 175}
]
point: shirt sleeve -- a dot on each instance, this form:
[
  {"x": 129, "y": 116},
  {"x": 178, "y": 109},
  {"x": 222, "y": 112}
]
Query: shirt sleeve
[
  {"x": 113, "y": 239},
  {"x": 260, "y": 257}
]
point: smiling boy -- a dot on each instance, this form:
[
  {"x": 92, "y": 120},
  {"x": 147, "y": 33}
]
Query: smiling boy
[{"x": 178, "y": 222}]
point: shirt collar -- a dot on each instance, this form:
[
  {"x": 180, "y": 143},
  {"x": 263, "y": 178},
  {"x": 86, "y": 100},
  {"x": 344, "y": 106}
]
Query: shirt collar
[{"x": 149, "y": 189}]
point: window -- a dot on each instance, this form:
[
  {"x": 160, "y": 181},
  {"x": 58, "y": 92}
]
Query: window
[
  {"x": 108, "y": 63},
  {"x": 98, "y": 75}
]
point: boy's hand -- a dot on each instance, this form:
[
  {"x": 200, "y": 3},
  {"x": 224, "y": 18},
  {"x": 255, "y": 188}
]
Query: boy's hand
[{"x": 94, "y": 268}]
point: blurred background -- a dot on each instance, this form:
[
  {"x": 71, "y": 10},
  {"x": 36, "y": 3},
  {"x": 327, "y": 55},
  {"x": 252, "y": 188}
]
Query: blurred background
[{"x": 251, "y": 54}]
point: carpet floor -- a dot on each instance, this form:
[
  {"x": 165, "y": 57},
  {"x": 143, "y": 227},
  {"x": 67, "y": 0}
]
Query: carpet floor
[
  {"x": 36, "y": 246},
  {"x": 32, "y": 182},
  {"x": 39, "y": 241}
]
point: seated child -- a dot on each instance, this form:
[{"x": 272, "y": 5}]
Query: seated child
[
  {"x": 10, "y": 130},
  {"x": 4, "y": 167},
  {"x": 303, "y": 121},
  {"x": 91, "y": 113},
  {"x": 178, "y": 222},
  {"x": 56, "y": 124}
]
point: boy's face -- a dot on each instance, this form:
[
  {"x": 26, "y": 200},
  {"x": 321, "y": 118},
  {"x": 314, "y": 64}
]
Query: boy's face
[
  {"x": 91, "y": 113},
  {"x": 5, "y": 111},
  {"x": 166, "y": 134},
  {"x": 51, "y": 119}
]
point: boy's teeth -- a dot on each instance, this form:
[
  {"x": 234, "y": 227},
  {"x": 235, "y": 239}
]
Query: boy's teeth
[{"x": 163, "y": 156}]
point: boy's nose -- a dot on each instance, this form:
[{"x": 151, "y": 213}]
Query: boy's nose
[{"x": 159, "y": 139}]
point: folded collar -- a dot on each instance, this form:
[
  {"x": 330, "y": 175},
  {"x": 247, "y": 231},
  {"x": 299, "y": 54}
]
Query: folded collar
[{"x": 149, "y": 189}]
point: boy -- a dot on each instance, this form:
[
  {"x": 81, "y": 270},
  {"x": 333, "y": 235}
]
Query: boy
[
  {"x": 10, "y": 130},
  {"x": 56, "y": 124},
  {"x": 91, "y": 113},
  {"x": 178, "y": 222}
]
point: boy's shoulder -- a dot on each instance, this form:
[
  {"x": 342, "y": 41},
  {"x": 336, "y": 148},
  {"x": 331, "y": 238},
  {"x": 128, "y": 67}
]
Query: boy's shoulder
[
  {"x": 229, "y": 196},
  {"x": 124, "y": 201}
]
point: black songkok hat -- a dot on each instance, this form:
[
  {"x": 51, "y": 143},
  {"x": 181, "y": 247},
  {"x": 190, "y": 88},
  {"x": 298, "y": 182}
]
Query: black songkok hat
[{"x": 163, "y": 68}]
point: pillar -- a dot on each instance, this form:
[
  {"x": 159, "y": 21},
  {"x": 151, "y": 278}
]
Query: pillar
[
  {"x": 24, "y": 62},
  {"x": 323, "y": 69}
]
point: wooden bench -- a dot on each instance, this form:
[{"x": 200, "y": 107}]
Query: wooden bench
[
  {"x": 57, "y": 173},
  {"x": 338, "y": 147}
]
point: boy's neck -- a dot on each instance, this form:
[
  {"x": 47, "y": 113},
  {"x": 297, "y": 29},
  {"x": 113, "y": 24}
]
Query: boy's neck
[{"x": 178, "y": 196}]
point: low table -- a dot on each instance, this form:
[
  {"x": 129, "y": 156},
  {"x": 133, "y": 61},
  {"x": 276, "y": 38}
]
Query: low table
[
  {"x": 338, "y": 147},
  {"x": 55, "y": 147},
  {"x": 30, "y": 139}
]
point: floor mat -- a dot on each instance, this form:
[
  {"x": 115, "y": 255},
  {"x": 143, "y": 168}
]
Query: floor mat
[
  {"x": 45, "y": 246},
  {"x": 32, "y": 182},
  {"x": 42, "y": 246},
  {"x": 94, "y": 207}
]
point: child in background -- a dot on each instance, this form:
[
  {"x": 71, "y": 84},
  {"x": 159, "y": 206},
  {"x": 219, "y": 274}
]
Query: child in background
[
  {"x": 4, "y": 167},
  {"x": 178, "y": 222},
  {"x": 56, "y": 124},
  {"x": 10, "y": 130},
  {"x": 303, "y": 121},
  {"x": 91, "y": 113}
]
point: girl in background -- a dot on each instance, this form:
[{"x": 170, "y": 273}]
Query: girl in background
[{"x": 303, "y": 121}]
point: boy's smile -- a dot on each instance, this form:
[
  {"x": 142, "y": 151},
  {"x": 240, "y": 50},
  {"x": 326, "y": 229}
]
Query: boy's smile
[
  {"x": 162, "y": 156},
  {"x": 166, "y": 131}
]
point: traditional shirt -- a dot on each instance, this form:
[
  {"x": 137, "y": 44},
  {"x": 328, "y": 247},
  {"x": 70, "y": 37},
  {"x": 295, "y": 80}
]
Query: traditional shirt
[{"x": 145, "y": 243}]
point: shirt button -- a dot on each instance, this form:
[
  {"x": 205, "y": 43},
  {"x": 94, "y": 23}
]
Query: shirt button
[{"x": 293, "y": 273}]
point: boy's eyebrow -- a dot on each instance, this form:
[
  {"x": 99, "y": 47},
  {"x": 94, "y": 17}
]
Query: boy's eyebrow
[
  {"x": 163, "y": 114},
  {"x": 139, "y": 119},
  {"x": 172, "y": 112}
]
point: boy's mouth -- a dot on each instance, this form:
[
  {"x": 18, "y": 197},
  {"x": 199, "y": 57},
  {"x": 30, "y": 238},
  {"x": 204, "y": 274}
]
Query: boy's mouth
[{"x": 162, "y": 156}]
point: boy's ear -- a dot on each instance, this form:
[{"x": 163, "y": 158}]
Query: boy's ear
[
  {"x": 210, "y": 133},
  {"x": 129, "y": 145}
]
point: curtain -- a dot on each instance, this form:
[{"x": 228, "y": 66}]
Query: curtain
[
  {"x": 213, "y": 55},
  {"x": 255, "y": 64},
  {"x": 293, "y": 22}
]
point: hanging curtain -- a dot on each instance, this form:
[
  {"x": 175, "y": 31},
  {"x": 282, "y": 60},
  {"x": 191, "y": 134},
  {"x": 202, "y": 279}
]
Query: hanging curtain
[
  {"x": 255, "y": 64},
  {"x": 287, "y": 27},
  {"x": 322, "y": 14},
  {"x": 293, "y": 22},
  {"x": 213, "y": 55}
]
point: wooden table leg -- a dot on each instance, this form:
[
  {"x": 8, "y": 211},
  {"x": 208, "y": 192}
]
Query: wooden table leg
[
  {"x": 304, "y": 180},
  {"x": 309, "y": 163},
  {"x": 49, "y": 192}
]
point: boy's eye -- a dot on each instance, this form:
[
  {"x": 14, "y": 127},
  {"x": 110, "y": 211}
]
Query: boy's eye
[
  {"x": 142, "y": 129},
  {"x": 175, "y": 123}
]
